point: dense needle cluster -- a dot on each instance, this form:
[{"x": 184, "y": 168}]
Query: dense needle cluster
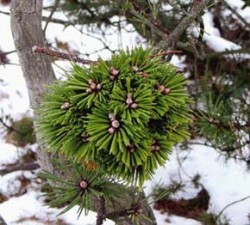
[{"x": 123, "y": 115}]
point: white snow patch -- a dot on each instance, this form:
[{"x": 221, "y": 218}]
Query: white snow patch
[{"x": 30, "y": 205}]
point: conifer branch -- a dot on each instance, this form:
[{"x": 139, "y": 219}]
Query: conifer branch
[{"x": 61, "y": 55}]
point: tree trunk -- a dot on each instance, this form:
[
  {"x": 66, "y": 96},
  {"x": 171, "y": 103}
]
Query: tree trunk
[{"x": 37, "y": 70}]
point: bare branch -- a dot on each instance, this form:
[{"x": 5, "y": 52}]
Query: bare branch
[
  {"x": 61, "y": 55},
  {"x": 171, "y": 40},
  {"x": 22, "y": 166},
  {"x": 51, "y": 15},
  {"x": 234, "y": 11}
]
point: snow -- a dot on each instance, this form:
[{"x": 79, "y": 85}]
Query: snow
[
  {"x": 30, "y": 205},
  {"x": 226, "y": 181}
]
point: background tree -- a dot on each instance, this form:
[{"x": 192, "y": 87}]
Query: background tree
[{"x": 219, "y": 84}]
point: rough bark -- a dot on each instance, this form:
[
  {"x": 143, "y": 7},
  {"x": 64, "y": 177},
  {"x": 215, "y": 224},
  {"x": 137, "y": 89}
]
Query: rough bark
[{"x": 37, "y": 70}]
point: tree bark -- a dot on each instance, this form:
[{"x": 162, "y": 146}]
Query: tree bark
[{"x": 37, "y": 70}]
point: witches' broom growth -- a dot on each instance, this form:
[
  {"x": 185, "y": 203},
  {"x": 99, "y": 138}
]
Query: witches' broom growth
[{"x": 120, "y": 116}]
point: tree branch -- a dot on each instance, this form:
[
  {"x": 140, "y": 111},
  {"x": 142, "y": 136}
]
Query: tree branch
[
  {"x": 56, "y": 4},
  {"x": 22, "y": 166},
  {"x": 171, "y": 40},
  {"x": 61, "y": 55},
  {"x": 234, "y": 11}
]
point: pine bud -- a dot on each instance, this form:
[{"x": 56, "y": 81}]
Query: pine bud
[
  {"x": 113, "y": 71},
  {"x": 84, "y": 184},
  {"x": 115, "y": 124},
  {"x": 129, "y": 101},
  {"x": 161, "y": 88},
  {"x": 111, "y": 116},
  {"x": 88, "y": 90},
  {"x": 135, "y": 69},
  {"x": 65, "y": 106},
  {"x": 111, "y": 130},
  {"x": 98, "y": 87},
  {"x": 134, "y": 106},
  {"x": 93, "y": 86},
  {"x": 166, "y": 91},
  {"x": 90, "y": 81}
]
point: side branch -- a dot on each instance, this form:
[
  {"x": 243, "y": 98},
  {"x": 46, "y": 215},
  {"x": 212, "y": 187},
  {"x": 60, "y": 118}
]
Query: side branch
[
  {"x": 174, "y": 36},
  {"x": 23, "y": 166},
  {"x": 61, "y": 55}
]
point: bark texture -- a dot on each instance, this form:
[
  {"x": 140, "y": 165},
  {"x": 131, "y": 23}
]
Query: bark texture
[{"x": 37, "y": 70}]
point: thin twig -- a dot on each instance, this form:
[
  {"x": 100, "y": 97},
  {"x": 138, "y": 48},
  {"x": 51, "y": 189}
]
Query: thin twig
[
  {"x": 10, "y": 128},
  {"x": 234, "y": 11},
  {"x": 62, "y": 55},
  {"x": 55, "y": 6},
  {"x": 22, "y": 166},
  {"x": 174, "y": 36},
  {"x": 167, "y": 53},
  {"x": 232, "y": 203}
]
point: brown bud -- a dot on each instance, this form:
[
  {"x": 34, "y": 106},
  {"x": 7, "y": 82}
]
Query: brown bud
[
  {"x": 84, "y": 184},
  {"x": 133, "y": 106},
  {"x": 65, "y": 105},
  {"x": 157, "y": 147},
  {"x": 88, "y": 90},
  {"x": 115, "y": 124},
  {"x": 161, "y": 88},
  {"x": 111, "y": 130},
  {"x": 135, "y": 69},
  {"x": 98, "y": 87},
  {"x": 144, "y": 74},
  {"x": 129, "y": 101},
  {"x": 113, "y": 71},
  {"x": 93, "y": 86},
  {"x": 111, "y": 116},
  {"x": 166, "y": 91},
  {"x": 90, "y": 81},
  {"x": 112, "y": 77}
]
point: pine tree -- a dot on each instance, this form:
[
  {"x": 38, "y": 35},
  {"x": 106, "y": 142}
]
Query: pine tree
[
  {"x": 117, "y": 120},
  {"x": 89, "y": 121}
]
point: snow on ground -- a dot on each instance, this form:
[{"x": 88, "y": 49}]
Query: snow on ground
[{"x": 226, "y": 181}]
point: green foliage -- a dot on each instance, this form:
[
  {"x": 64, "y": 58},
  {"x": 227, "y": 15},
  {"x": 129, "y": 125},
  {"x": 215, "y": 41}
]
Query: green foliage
[
  {"x": 83, "y": 187},
  {"x": 123, "y": 115}
]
